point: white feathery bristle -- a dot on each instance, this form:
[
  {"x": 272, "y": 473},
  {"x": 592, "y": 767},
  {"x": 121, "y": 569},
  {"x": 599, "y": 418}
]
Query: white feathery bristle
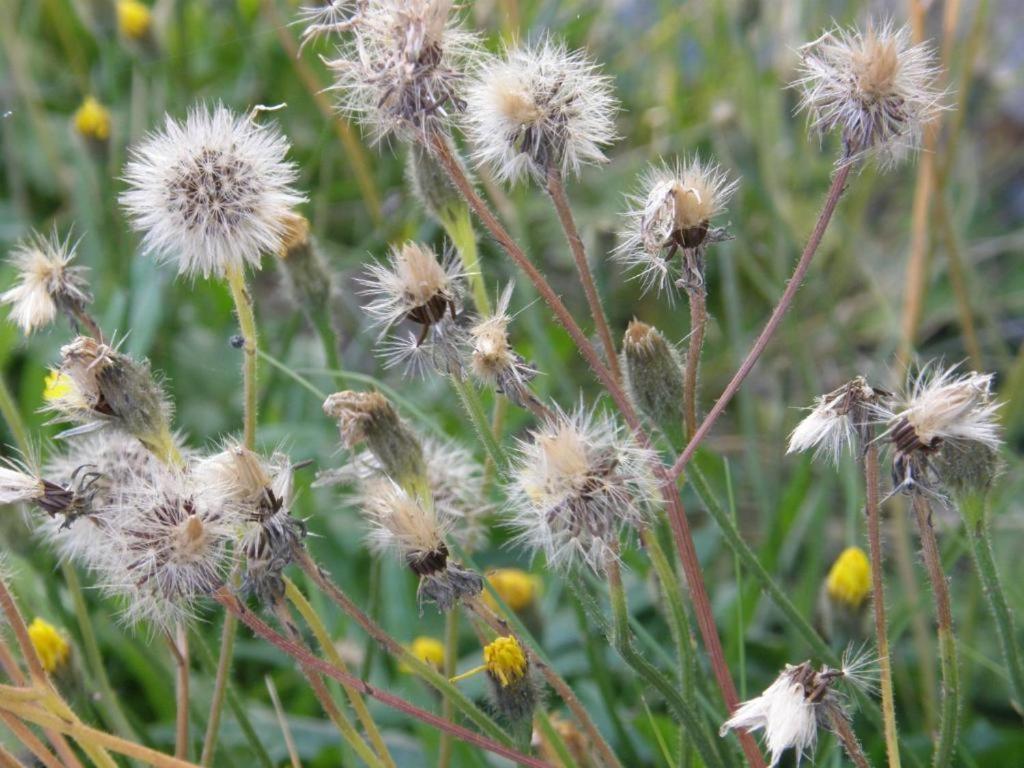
[
  {"x": 213, "y": 192},
  {"x": 413, "y": 277},
  {"x": 17, "y": 484},
  {"x": 329, "y": 17},
  {"x": 399, "y": 522},
  {"x": 47, "y": 281},
  {"x": 875, "y": 86},
  {"x": 578, "y": 481},
  {"x": 539, "y": 107},
  {"x": 672, "y": 199}
]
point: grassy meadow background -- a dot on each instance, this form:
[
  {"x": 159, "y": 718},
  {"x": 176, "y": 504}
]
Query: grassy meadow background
[{"x": 692, "y": 76}]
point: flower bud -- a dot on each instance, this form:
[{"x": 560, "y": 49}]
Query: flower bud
[
  {"x": 92, "y": 122},
  {"x": 305, "y": 272},
  {"x": 50, "y": 645},
  {"x": 849, "y": 580},
  {"x": 653, "y": 373},
  {"x": 431, "y": 185},
  {"x": 512, "y": 687}
]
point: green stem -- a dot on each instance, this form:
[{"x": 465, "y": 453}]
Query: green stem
[
  {"x": 973, "y": 512},
  {"x": 949, "y": 711},
  {"x": 11, "y": 414},
  {"x": 459, "y": 226},
  {"x": 623, "y": 641},
  {"x": 451, "y": 653},
  {"x": 474, "y": 408},
  {"x": 220, "y": 686}
]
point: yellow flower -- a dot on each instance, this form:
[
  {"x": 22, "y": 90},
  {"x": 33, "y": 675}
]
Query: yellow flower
[
  {"x": 57, "y": 386},
  {"x": 517, "y": 588},
  {"x": 849, "y": 581},
  {"x": 133, "y": 19},
  {"x": 51, "y": 647},
  {"x": 426, "y": 649},
  {"x": 92, "y": 120},
  {"x": 505, "y": 660}
]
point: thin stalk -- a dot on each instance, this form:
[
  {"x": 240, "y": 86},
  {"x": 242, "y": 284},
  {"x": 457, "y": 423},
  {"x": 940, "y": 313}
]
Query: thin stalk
[
  {"x": 878, "y": 603},
  {"x": 556, "y": 681},
  {"x": 958, "y": 281},
  {"x": 300, "y": 654},
  {"x": 841, "y": 728},
  {"x": 677, "y": 516},
  {"x": 695, "y": 345},
  {"x": 341, "y": 722},
  {"x": 323, "y": 637},
  {"x": 949, "y": 714},
  {"x": 474, "y": 409},
  {"x": 623, "y": 642},
  {"x": 28, "y": 739},
  {"x": 247, "y": 326},
  {"x": 831, "y": 201},
  {"x": 179, "y": 648},
  {"x": 973, "y": 512},
  {"x": 459, "y": 226},
  {"x": 220, "y": 686},
  {"x": 556, "y": 188},
  {"x": 451, "y": 652},
  {"x": 396, "y": 649},
  {"x": 9, "y": 410},
  {"x": 282, "y": 721}
]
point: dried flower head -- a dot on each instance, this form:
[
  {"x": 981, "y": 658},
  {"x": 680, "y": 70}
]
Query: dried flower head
[
  {"x": 838, "y": 421},
  {"x": 494, "y": 362},
  {"x": 402, "y": 71},
  {"x": 801, "y": 700},
  {"x": 876, "y": 87},
  {"x": 20, "y": 483},
  {"x": 578, "y": 481},
  {"x": 653, "y": 374},
  {"x": 849, "y": 579},
  {"x": 96, "y": 385},
  {"x": 415, "y": 529},
  {"x": 672, "y": 212},
  {"x": 539, "y": 108},
  {"x": 213, "y": 192},
  {"x": 48, "y": 282},
  {"x": 938, "y": 406}
]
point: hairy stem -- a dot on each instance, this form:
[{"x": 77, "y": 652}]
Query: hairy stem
[
  {"x": 695, "y": 345},
  {"x": 949, "y": 714},
  {"x": 300, "y": 654},
  {"x": 179, "y": 650},
  {"x": 831, "y": 201},
  {"x": 556, "y": 188},
  {"x": 247, "y": 327},
  {"x": 878, "y": 603},
  {"x": 841, "y": 728},
  {"x": 220, "y": 687},
  {"x": 972, "y": 510},
  {"x": 451, "y": 652}
]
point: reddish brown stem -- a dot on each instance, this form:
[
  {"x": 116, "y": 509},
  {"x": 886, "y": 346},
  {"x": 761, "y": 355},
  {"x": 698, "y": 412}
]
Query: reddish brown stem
[
  {"x": 841, "y": 728},
  {"x": 831, "y": 201},
  {"x": 305, "y": 658},
  {"x": 698, "y": 324}
]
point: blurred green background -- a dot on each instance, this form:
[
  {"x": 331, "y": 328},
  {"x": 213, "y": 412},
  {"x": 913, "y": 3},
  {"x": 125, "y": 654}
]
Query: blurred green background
[{"x": 692, "y": 76}]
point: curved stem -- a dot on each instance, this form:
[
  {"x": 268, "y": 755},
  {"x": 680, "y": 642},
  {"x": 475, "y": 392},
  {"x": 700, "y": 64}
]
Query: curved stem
[
  {"x": 260, "y": 628},
  {"x": 831, "y": 201},
  {"x": 841, "y": 728},
  {"x": 556, "y": 188},
  {"x": 878, "y": 604},
  {"x": 949, "y": 713}
]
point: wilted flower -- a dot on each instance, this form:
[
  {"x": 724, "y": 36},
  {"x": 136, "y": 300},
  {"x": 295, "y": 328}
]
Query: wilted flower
[
  {"x": 92, "y": 120},
  {"x": 416, "y": 530},
  {"x": 539, "y": 108},
  {"x": 672, "y": 211},
  {"x": 50, "y": 646},
  {"x": 20, "y": 484},
  {"x": 579, "y": 480},
  {"x": 653, "y": 374},
  {"x": 876, "y": 87},
  {"x": 849, "y": 579},
  {"x": 402, "y": 71},
  {"x": 938, "y": 407},
  {"x": 48, "y": 282},
  {"x": 838, "y": 421},
  {"x": 96, "y": 385},
  {"x": 801, "y": 700},
  {"x": 213, "y": 192},
  {"x": 494, "y": 362}
]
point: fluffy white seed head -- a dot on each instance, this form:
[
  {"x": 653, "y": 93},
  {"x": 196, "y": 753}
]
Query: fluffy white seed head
[
  {"x": 539, "y": 107},
  {"x": 401, "y": 73},
  {"x": 48, "y": 282},
  {"x": 876, "y": 87},
  {"x": 213, "y": 192},
  {"x": 836, "y": 421},
  {"x": 18, "y": 484},
  {"x": 400, "y": 522},
  {"x": 672, "y": 210},
  {"x": 493, "y": 361},
  {"x": 578, "y": 482}
]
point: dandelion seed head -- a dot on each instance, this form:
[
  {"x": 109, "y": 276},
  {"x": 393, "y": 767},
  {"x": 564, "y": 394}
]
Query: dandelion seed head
[
  {"x": 836, "y": 421},
  {"x": 213, "y": 192},
  {"x": 48, "y": 282},
  {"x": 539, "y": 107},
  {"x": 17, "y": 484},
  {"x": 399, "y": 522},
  {"x": 577, "y": 483},
  {"x": 876, "y": 87},
  {"x": 415, "y": 284}
]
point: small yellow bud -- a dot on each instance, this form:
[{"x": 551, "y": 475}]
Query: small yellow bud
[
  {"x": 57, "y": 386},
  {"x": 51, "y": 647},
  {"x": 849, "y": 581},
  {"x": 517, "y": 588},
  {"x": 133, "y": 19},
  {"x": 427, "y": 649},
  {"x": 92, "y": 120},
  {"x": 505, "y": 660}
]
